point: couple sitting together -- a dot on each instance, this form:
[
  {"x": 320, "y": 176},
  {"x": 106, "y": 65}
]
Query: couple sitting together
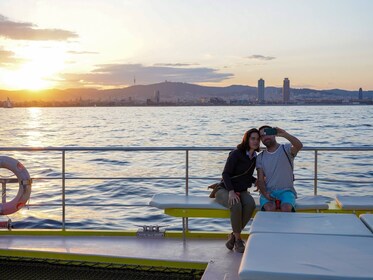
[{"x": 275, "y": 178}]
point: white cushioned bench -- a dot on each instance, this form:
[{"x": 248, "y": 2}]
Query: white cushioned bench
[
  {"x": 202, "y": 206},
  {"x": 307, "y": 246},
  {"x": 367, "y": 220},
  {"x": 309, "y": 223},
  {"x": 348, "y": 202},
  {"x": 285, "y": 256},
  {"x": 164, "y": 201}
]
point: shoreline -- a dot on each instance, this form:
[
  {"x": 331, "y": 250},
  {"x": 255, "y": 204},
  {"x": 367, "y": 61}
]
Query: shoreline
[{"x": 189, "y": 105}]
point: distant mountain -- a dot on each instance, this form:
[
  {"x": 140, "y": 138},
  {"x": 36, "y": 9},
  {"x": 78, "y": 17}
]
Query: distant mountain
[
  {"x": 172, "y": 91},
  {"x": 329, "y": 94}
]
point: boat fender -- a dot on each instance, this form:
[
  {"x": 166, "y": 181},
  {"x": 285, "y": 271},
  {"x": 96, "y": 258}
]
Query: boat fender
[{"x": 24, "y": 190}]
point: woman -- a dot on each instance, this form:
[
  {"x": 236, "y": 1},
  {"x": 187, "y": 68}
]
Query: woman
[{"x": 237, "y": 178}]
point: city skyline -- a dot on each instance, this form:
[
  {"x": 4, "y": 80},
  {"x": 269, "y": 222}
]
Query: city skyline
[{"x": 113, "y": 44}]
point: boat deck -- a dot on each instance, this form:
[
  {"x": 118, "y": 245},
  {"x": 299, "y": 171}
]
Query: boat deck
[{"x": 221, "y": 263}]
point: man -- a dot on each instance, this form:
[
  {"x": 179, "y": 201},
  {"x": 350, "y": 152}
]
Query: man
[{"x": 275, "y": 170}]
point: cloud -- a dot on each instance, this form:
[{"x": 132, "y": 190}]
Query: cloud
[
  {"x": 261, "y": 57},
  {"x": 123, "y": 74},
  {"x": 7, "y": 58},
  {"x": 81, "y": 52},
  {"x": 28, "y": 31},
  {"x": 175, "y": 64}
]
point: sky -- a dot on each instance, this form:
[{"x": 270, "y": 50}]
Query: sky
[{"x": 320, "y": 44}]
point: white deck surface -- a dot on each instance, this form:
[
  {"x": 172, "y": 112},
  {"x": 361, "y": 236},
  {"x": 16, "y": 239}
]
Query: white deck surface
[
  {"x": 310, "y": 223},
  {"x": 223, "y": 264},
  {"x": 282, "y": 256}
]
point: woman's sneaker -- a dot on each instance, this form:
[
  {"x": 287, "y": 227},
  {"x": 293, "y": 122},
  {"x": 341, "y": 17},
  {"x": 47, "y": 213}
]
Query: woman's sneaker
[
  {"x": 231, "y": 241},
  {"x": 239, "y": 246}
]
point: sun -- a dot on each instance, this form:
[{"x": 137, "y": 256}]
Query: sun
[
  {"x": 38, "y": 70},
  {"x": 29, "y": 77}
]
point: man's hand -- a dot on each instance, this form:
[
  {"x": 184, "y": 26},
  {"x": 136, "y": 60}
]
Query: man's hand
[
  {"x": 257, "y": 186},
  {"x": 268, "y": 196},
  {"x": 281, "y": 132},
  {"x": 296, "y": 144}
]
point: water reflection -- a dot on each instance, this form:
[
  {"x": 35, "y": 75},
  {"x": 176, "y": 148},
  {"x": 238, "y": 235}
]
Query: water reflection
[{"x": 33, "y": 129}]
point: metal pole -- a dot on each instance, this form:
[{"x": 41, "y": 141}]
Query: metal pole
[
  {"x": 184, "y": 228},
  {"x": 185, "y": 220},
  {"x": 315, "y": 178},
  {"x": 63, "y": 191},
  {"x": 186, "y": 172}
]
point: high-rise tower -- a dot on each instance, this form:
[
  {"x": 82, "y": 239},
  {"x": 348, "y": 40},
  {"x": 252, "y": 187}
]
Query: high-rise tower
[
  {"x": 157, "y": 96},
  {"x": 261, "y": 91},
  {"x": 286, "y": 90}
]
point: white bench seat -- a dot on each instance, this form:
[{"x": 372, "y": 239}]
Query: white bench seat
[
  {"x": 280, "y": 256},
  {"x": 309, "y": 223},
  {"x": 349, "y": 202},
  {"x": 167, "y": 201},
  {"x": 368, "y": 220}
]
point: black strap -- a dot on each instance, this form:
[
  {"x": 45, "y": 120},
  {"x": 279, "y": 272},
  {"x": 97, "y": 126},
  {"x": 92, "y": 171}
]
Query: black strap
[
  {"x": 247, "y": 171},
  {"x": 287, "y": 156},
  {"x": 283, "y": 147},
  {"x": 237, "y": 176}
]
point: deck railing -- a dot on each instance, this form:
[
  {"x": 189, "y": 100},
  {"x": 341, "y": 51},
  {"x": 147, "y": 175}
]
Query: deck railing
[{"x": 186, "y": 178}]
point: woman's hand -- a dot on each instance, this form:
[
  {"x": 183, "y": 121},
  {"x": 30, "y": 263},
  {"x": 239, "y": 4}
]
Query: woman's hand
[{"x": 233, "y": 198}]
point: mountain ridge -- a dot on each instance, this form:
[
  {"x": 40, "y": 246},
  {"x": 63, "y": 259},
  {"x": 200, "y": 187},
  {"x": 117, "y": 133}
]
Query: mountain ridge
[{"x": 176, "y": 91}]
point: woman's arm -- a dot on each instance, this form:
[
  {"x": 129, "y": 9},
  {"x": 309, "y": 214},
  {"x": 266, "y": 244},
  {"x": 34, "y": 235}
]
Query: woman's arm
[
  {"x": 227, "y": 174},
  {"x": 229, "y": 169}
]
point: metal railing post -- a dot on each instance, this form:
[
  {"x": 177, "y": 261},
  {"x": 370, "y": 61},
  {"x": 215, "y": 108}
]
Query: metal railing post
[
  {"x": 63, "y": 191},
  {"x": 185, "y": 220},
  {"x": 315, "y": 174},
  {"x": 186, "y": 172}
]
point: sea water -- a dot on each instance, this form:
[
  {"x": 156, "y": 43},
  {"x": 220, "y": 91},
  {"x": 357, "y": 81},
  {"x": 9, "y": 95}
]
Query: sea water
[{"x": 123, "y": 204}]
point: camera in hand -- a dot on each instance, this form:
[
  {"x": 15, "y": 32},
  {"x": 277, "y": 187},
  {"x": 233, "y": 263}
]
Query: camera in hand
[{"x": 270, "y": 131}]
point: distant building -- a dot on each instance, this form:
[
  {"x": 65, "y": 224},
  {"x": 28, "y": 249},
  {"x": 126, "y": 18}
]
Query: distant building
[
  {"x": 217, "y": 101},
  {"x": 157, "y": 97},
  {"x": 286, "y": 90},
  {"x": 261, "y": 91},
  {"x": 360, "y": 94}
]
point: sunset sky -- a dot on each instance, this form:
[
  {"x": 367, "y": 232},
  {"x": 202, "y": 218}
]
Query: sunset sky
[{"x": 319, "y": 44}]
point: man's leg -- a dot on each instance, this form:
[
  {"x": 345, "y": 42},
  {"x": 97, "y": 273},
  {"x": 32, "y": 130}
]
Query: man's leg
[
  {"x": 267, "y": 205},
  {"x": 287, "y": 201}
]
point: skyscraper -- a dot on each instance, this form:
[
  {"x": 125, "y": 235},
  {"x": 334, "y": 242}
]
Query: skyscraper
[
  {"x": 157, "y": 96},
  {"x": 261, "y": 91},
  {"x": 286, "y": 90},
  {"x": 360, "y": 94}
]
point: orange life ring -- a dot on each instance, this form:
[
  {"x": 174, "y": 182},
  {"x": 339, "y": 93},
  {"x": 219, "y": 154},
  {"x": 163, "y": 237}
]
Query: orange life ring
[{"x": 24, "y": 190}]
